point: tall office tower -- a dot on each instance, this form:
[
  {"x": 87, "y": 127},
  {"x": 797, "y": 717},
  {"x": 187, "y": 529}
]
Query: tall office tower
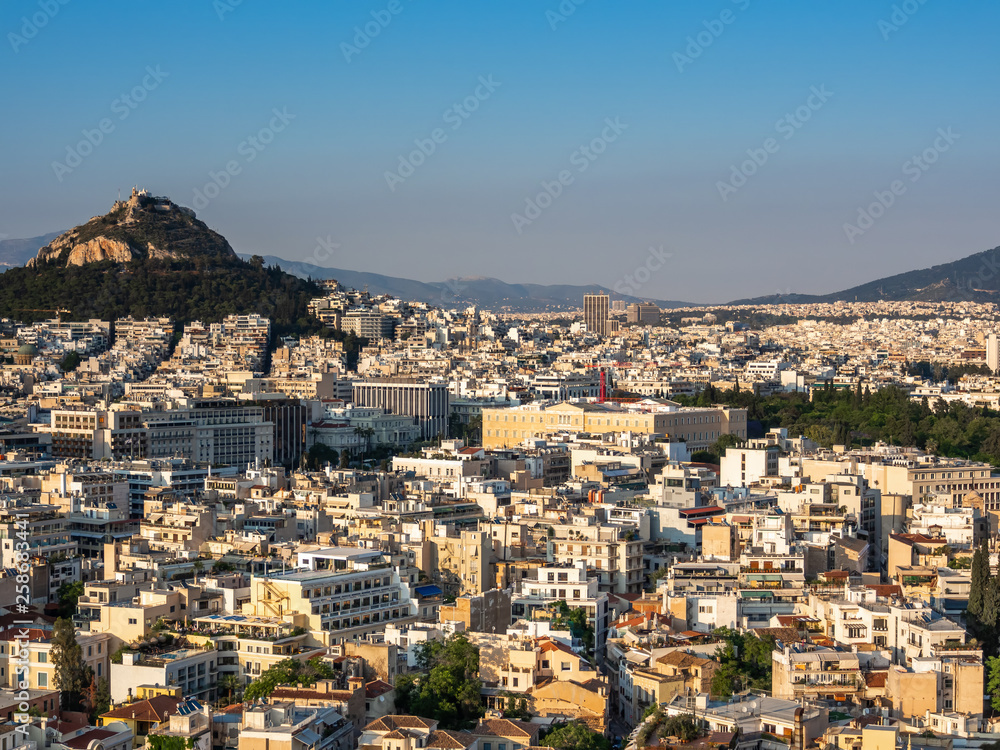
[
  {"x": 595, "y": 313},
  {"x": 992, "y": 352},
  {"x": 426, "y": 402}
]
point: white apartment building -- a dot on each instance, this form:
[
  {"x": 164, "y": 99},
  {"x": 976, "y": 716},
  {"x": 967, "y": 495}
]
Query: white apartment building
[{"x": 570, "y": 583}]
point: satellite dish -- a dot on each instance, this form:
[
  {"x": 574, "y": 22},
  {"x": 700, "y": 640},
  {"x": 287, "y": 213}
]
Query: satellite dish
[{"x": 746, "y": 710}]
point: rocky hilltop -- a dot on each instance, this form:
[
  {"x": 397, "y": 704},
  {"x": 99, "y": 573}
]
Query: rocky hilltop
[
  {"x": 150, "y": 257},
  {"x": 142, "y": 227}
]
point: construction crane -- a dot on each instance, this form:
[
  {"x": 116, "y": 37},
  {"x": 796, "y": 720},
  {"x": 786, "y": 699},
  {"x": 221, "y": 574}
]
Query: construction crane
[{"x": 58, "y": 310}]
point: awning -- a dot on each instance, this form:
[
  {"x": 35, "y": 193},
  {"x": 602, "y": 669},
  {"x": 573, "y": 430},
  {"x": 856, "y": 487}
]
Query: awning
[
  {"x": 429, "y": 590},
  {"x": 307, "y": 737}
]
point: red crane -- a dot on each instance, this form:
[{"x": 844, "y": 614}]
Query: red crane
[{"x": 602, "y": 393}]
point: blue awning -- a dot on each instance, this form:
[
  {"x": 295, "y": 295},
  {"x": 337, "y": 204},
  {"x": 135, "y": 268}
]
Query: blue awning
[{"x": 428, "y": 590}]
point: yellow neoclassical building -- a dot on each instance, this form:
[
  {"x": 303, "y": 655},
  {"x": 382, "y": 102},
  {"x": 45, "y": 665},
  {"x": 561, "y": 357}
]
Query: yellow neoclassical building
[{"x": 698, "y": 426}]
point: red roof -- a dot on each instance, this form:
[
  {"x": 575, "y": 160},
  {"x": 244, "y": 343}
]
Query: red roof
[
  {"x": 80, "y": 742},
  {"x": 709, "y": 509},
  {"x": 376, "y": 688},
  {"x": 550, "y": 645},
  {"x": 876, "y": 679},
  {"x": 34, "y": 634}
]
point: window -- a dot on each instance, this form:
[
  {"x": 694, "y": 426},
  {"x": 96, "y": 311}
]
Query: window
[
  {"x": 43, "y": 679},
  {"x": 43, "y": 657}
]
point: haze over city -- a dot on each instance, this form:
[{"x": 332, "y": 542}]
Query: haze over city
[{"x": 417, "y": 139}]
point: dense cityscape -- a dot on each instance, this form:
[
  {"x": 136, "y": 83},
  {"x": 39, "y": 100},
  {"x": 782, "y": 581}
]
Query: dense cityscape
[
  {"x": 463, "y": 375},
  {"x": 433, "y": 526}
]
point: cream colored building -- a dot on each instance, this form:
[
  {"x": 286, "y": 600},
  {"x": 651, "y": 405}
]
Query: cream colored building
[
  {"x": 95, "y": 650},
  {"x": 338, "y": 593},
  {"x": 699, "y": 427}
]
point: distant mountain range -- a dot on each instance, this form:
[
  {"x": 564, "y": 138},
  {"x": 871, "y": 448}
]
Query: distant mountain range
[
  {"x": 975, "y": 278},
  {"x": 14, "y": 253},
  {"x": 481, "y": 291}
]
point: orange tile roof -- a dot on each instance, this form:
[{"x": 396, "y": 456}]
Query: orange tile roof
[{"x": 151, "y": 709}]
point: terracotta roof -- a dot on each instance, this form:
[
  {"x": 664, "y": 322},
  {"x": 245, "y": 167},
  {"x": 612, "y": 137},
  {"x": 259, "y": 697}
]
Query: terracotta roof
[
  {"x": 506, "y": 728},
  {"x": 67, "y": 727},
  {"x": 151, "y": 709},
  {"x": 34, "y": 634},
  {"x": 8, "y": 620},
  {"x": 398, "y": 734},
  {"x": 702, "y": 509},
  {"x": 875, "y": 679},
  {"x": 450, "y": 739},
  {"x": 550, "y": 645},
  {"x": 395, "y": 721},
  {"x": 682, "y": 659},
  {"x": 376, "y": 688}
]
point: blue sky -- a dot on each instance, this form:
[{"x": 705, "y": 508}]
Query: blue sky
[{"x": 697, "y": 89}]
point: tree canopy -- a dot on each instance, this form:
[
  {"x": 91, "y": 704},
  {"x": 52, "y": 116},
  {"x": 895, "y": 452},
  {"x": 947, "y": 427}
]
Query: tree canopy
[
  {"x": 861, "y": 417},
  {"x": 744, "y": 662},
  {"x": 447, "y": 685},
  {"x": 70, "y": 674},
  {"x": 575, "y": 620},
  {"x": 288, "y": 672},
  {"x": 575, "y": 736}
]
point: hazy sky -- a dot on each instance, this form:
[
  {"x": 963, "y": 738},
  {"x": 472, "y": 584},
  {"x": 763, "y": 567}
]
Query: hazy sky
[{"x": 643, "y": 109}]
